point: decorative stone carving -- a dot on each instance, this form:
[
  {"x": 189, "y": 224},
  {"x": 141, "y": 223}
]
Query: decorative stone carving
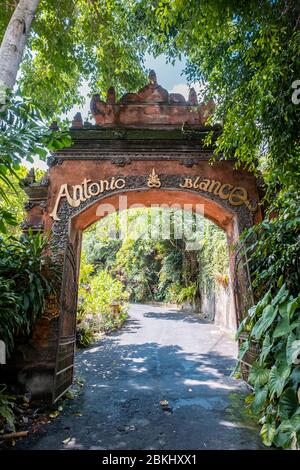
[
  {"x": 77, "y": 122},
  {"x": 30, "y": 205},
  {"x": 152, "y": 105},
  {"x": 36, "y": 191},
  {"x": 117, "y": 158},
  {"x": 111, "y": 96},
  {"x": 25, "y": 226},
  {"x": 44, "y": 181},
  {"x": 29, "y": 179},
  {"x": 188, "y": 162},
  {"x": 33, "y": 203},
  {"x": 193, "y": 99},
  {"x": 54, "y": 160},
  {"x": 121, "y": 161},
  {"x": 153, "y": 180},
  {"x": 43, "y": 205}
]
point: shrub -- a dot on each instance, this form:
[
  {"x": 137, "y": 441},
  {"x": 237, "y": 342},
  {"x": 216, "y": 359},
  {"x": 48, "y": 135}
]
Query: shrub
[
  {"x": 101, "y": 304},
  {"x": 25, "y": 273}
]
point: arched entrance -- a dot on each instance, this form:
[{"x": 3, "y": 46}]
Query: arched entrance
[{"x": 146, "y": 149}]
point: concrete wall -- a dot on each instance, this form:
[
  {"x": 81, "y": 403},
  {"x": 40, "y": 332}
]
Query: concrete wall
[{"x": 218, "y": 306}]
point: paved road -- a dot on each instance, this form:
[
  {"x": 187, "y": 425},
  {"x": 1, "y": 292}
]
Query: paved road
[{"x": 160, "y": 354}]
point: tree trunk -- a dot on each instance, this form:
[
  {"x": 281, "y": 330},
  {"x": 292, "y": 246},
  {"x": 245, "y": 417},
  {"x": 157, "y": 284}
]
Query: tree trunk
[{"x": 14, "y": 40}]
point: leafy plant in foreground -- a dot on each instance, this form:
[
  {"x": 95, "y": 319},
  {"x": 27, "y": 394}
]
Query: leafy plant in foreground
[
  {"x": 275, "y": 375},
  {"x": 6, "y": 408}
]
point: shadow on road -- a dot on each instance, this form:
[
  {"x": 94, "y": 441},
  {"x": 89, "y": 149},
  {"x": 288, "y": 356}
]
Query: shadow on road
[
  {"x": 178, "y": 316},
  {"x": 125, "y": 381}
]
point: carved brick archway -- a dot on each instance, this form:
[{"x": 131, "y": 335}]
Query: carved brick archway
[{"x": 149, "y": 148}]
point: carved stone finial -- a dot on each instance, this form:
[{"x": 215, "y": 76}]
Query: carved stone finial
[
  {"x": 152, "y": 78},
  {"x": 111, "y": 95},
  {"x": 193, "y": 99},
  {"x": 77, "y": 121},
  {"x": 29, "y": 178},
  {"x": 54, "y": 126}
]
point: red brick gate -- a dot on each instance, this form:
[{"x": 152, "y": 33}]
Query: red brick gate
[{"x": 149, "y": 148}]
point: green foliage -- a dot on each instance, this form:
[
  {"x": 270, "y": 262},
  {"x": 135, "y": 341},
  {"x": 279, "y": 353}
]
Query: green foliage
[
  {"x": 138, "y": 268},
  {"x": 23, "y": 135},
  {"x": 157, "y": 268},
  {"x": 213, "y": 258},
  {"x": 101, "y": 303},
  {"x": 95, "y": 42},
  {"x": 275, "y": 375},
  {"x": 275, "y": 252},
  {"x": 85, "y": 334},
  {"x": 12, "y": 208},
  {"x": 27, "y": 275},
  {"x": 187, "y": 294},
  {"x": 244, "y": 55},
  {"x": 99, "y": 295},
  {"x": 6, "y": 409}
]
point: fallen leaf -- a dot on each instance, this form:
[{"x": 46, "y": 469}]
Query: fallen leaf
[
  {"x": 70, "y": 395},
  {"x": 164, "y": 403},
  {"x": 66, "y": 441},
  {"x": 130, "y": 428},
  {"x": 54, "y": 414},
  {"x": 165, "y": 406}
]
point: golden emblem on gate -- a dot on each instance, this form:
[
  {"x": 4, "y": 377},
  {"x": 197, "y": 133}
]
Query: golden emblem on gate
[{"x": 153, "y": 180}]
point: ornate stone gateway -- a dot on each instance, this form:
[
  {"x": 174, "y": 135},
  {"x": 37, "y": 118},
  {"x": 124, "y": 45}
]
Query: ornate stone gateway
[{"x": 147, "y": 148}]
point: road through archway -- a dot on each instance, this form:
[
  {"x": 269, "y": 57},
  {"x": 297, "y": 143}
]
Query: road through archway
[{"x": 160, "y": 354}]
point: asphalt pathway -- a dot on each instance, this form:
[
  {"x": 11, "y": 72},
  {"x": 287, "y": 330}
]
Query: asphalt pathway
[{"x": 160, "y": 355}]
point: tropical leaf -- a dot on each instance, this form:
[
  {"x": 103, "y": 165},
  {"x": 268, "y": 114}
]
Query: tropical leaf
[
  {"x": 295, "y": 377},
  {"x": 288, "y": 403},
  {"x": 260, "y": 398},
  {"x": 281, "y": 295},
  {"x": 266, "y": 348},
  {"x": 292, "y": 306},
  {"x": 268, "y": 315},
  {"x": 283, "y": 308},
  {"x": 259, "y": 375},
  {"x": 241, "y": 328},
  {"x": 277, "y": 379},
  {"x": 267, "y": 433},
  {"x": 282, "y": 328},
  {"x": 287, "y": 433},
  {"x": 243, "y": 349},
  {"x": 293, "y": 350},
  {"x": 263, "y": 303}
]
